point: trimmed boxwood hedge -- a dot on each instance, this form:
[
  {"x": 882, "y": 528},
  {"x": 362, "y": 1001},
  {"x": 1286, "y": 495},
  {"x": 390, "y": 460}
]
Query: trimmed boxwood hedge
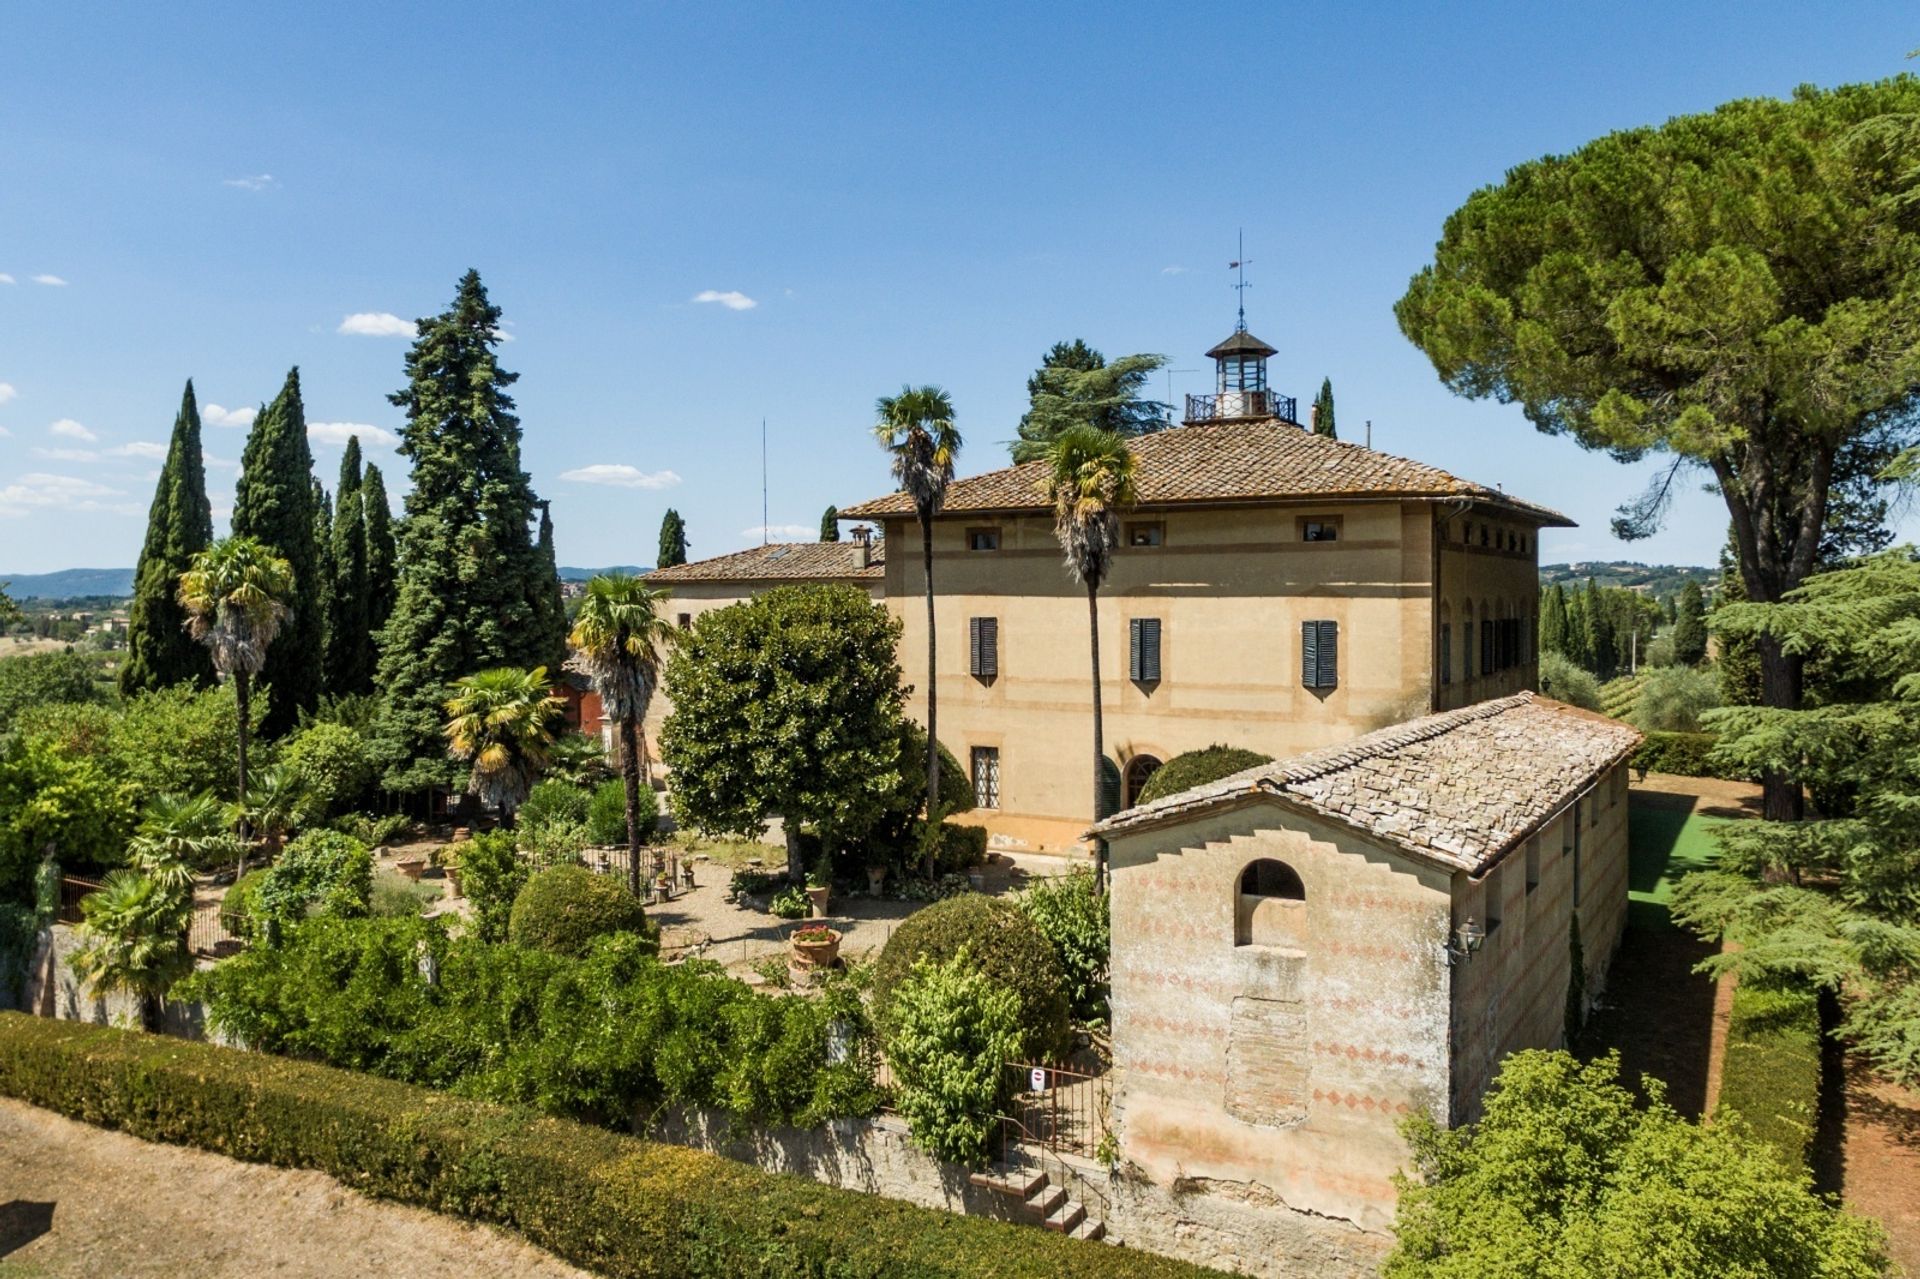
[
  {"x": 1770, "y": 1074},
  {"x": 617, "y": 1204},
  {"x": 1003, "y": 941},
  {"x": 1683, "y": 755},
  {"x": 1197, "y": 768}
]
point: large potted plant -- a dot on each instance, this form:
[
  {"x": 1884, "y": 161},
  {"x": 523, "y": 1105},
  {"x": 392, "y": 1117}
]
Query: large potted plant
[
  {"x": 820, "y": 886},
  {"x": 813, "y": 948}
]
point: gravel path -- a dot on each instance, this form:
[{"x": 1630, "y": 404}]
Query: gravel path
[{"x": 82, "y": 1201}]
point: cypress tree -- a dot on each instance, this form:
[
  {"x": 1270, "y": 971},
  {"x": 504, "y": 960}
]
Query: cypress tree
[
  {"x": 1690, "y": 626},
  {"x": 549, "y": 605},
  {"x": 1323, "y": 410},
  {"x": 830, "y": 525},
  {"x": 381, "y": 558},
  {"x": 1579, "y": 634},
  {"x": 673, "y": 540},
  {"x": 324, "y": 574},
  {"x": 469, "y": 569},
  {"x": 1603, "y": 651},
  {"x": 275, "y": 503},
  {"x": 180, "y": 522},
  {"x": 350, "y": 638},
  {"x": 1553, "y": 620}
]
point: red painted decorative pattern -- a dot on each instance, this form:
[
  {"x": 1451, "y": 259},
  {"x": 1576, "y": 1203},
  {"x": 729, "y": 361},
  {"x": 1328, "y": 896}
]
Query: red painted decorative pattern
[
  {"x": 1359, "y": 1101},
  {"x": 1358, "y": 1052}
]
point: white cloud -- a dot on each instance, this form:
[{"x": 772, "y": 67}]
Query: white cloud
[
  {"x": 620, "y": 475},
  {"x": 4, "y": 432},
  {"x": 69, "y": 429},
  {"x": 7, "y": 392},
  {"x": 7, "y": 279},
  {"x": 258, "y": 182},
  {"x": 783, "y": 532},
  {"x": 377, "y": 324},
  {"x": 219, "y": 463},
  {"x": 138, "y": 448},
  {"x": 67, "y": 455},
  {"x": 732, "y": 299},
  {"x": 1173, "y": 270},
  {"x": 54, "y": 280},
  {"x": 340, "y": 432},
  {"x": 218, "y": 416},
  {"x": 38, "y": 491}
]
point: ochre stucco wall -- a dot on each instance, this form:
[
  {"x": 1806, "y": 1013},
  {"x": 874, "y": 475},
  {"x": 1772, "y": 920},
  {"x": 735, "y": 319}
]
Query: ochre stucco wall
[
  {"x": 1281, "y": 1069},
  {"x": 1230, "y": 588}
]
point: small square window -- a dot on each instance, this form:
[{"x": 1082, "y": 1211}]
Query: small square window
[
  {"x": 1327, "y": 530},
  {"x": 1148, "y": 533},
  {"x": 685, "y": 621},
  {"x": 983, "y": 539}
]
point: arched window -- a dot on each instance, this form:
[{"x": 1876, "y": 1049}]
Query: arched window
[
  {"x": 1140, "y": 769},
  {"x": 1270, "y": 906}
]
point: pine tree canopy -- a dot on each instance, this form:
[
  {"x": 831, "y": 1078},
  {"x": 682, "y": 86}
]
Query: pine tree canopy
[
  {"x": 1323, "y": 411},
  {"x": 1076, "y": 386},
  {"x": 274, "y": 503},
  {"x": 830, "y": 524},
  {"x": 160, "y": 653},
  {"x": 673, "y": 540},
  {"x": 470, "y": 572},
  {"x": 1739, "y": 290}
]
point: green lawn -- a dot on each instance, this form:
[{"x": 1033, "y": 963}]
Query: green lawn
[{"x": 1664, "y": 845}]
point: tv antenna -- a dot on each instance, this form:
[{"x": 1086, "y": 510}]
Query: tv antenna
[
  {"x": 763, "y": 481},
  {"x": 1240, "y": 285}
]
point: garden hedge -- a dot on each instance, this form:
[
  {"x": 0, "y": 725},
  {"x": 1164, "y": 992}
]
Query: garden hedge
[
  {"x": 564, "y": 908},
  {"x": 1197, "y": 768},
  {"x": 1004, "y": 941},
  {"x": 1684, "y": 755},
  {"x": 1770, "y": 1074},
  {"x": 616, "y": 1204}
]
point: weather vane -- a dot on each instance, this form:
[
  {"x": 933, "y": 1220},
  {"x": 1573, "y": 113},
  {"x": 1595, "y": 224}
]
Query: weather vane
[{"x": 1240, "y": 286}]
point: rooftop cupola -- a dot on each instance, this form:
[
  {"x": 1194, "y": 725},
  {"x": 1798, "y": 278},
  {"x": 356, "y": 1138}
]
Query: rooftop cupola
[{"x": 1240, "y": 384}]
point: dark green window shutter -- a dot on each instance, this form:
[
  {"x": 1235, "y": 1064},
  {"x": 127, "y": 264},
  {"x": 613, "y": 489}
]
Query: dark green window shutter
[
  {"x": 1144, "y": 651},
  {"x": 1320, "y": 654},
  {"x": 983, "y": 643}
]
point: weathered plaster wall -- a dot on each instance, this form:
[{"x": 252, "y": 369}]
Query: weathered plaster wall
[
  {"x": 1512, "y": 994},
  {"x": 1489, "y": 566},
  {"x": 55, "y": 990},
  {"x": 1229, "y": 1225},
  {"x": 1283, "y": 1069}
]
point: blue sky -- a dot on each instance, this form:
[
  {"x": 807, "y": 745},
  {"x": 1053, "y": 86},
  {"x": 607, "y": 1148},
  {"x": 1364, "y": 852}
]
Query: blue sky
[{"x": 902, "y": 193}]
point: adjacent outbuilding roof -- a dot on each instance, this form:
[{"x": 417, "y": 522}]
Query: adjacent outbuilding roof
[
  {"x": 1458, "y": 789},
  {"x": 1229, "y": 462},
  {"x": 780, "y": 562}
]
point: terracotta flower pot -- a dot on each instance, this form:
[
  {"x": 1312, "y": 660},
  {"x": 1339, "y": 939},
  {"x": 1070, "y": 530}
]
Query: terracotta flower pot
[
  {"x": 453, "y": 879},
  {"x": 412, "y": 868},
  {"x": 811, "y": 954}
]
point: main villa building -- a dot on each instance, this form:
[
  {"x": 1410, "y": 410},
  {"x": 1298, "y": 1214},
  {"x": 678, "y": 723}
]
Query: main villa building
[{"x": 1276, "y": 590}]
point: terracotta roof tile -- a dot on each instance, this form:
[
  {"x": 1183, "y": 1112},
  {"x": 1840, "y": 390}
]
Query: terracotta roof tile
[
  {"x": 1459, "y": 788},
  {"x": 779, "y": 562},
  {"x": 1228, "y": 462}
]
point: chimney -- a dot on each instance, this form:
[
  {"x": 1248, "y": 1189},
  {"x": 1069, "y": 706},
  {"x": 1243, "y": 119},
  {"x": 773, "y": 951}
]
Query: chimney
[
  {"x": 1313, "y": 418},
  {"x": 862, "y": 546}
]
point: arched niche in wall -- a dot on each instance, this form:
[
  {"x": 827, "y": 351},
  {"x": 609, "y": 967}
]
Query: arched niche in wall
[{"x": 1270, "y": 906}]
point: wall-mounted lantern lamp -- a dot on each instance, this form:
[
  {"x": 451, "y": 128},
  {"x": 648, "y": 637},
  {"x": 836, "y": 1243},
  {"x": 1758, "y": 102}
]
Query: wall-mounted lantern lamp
[{"x": 1466, "y": 940}]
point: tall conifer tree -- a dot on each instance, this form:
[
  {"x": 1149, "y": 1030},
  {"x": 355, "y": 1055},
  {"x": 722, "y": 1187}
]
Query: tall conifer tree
[
  {"x": 350, "y": 638},
  {"x": 382, "y": 561},
  {"x": 549, "y": 606},
  {"x": 1323, "y": 410},
  {"x": 469, "y": 569},
  {"x": 830, "y": 524},
  {"x": 1603, "y": 653},
  {"x": 673, "y": 540},
  {"x": 180, "y": 522},
  {"x": 274, "y": 502},
  {"x": 1553, "y": 620},
  {"x": 325, "y": 599}
]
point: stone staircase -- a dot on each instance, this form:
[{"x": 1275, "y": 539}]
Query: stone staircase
[{"x": 1035, "y": 1196}]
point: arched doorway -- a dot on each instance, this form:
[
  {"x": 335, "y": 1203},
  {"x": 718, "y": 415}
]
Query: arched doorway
[{"x": 1139, "y": 769}]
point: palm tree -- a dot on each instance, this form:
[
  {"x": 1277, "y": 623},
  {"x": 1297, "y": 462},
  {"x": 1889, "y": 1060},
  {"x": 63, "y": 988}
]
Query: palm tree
[
  {"x": 617, "y": 639},
  {"x": 134, "y": 936},
  {"x": 272, "y": 808},
  {"x": 175, "y": 833},
  {"x": 1089, "y": 479},
  {"x": 235, "y": 595},
  {"x": 502, "y": 720},
  {"x": 916, "y": 427}
]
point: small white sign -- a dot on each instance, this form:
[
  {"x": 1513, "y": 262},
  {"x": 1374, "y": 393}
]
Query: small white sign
[{"x": 1038, "y": 1079}]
